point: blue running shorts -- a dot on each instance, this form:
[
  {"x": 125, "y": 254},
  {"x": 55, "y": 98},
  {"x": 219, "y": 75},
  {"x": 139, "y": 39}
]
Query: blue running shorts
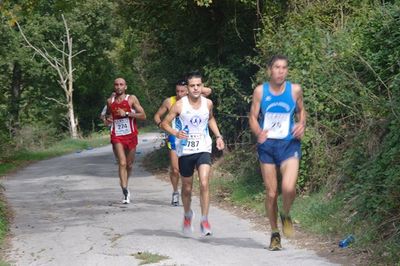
[
  {"x": 275, "y": 151},
  {"x": 171, "y": 142}
]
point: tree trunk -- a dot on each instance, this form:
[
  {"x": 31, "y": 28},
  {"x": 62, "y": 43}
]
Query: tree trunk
[
  {"x": 64, "y": 71},
  {"x": 15, "y": 89},
  {"x": 73, "y": 123}
]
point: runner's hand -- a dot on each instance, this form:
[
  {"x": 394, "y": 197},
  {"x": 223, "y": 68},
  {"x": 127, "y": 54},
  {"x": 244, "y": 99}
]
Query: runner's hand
[
  {"x": 220, "y": 144},
  {"x": 181, "y": 135},
  {"x": 298, "y": 130},
  {"x": 262, "y": 136}
]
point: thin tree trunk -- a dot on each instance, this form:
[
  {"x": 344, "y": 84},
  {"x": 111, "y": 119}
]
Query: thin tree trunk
[
  {"x": 15, "y": 89},
  {"x": 65, "y": 73}
]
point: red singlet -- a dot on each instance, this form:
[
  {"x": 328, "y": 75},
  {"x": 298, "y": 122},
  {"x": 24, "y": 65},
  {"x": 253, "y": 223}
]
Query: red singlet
[{"x": 123, "y": 129}]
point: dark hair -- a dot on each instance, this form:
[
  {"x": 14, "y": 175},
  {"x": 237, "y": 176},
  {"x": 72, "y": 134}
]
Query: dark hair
[
  {"x": 181, "y": 82},
  {"x": 193, "y": 74},
  {"x": 276, "y": 58}
]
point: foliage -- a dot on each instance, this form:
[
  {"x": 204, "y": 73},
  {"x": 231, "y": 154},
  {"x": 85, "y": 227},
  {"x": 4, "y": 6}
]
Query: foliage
[
  {"x": 167, "y": 39},
  {"x": 350, "y": 76},
  {"x": 41, "y": 21},
  {"x": 48, "y": 149}
]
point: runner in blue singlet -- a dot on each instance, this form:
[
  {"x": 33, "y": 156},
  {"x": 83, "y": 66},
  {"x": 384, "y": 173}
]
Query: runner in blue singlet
[{"x": 277, "y": 118}]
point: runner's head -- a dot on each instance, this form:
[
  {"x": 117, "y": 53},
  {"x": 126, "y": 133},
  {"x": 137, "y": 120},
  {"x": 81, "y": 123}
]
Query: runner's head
[
  {"x": 119, "y": 86},
  {"x": 278, "y": 69},
  {"x": 195, "y": 84},
  {"x": 181, "y": 89}
]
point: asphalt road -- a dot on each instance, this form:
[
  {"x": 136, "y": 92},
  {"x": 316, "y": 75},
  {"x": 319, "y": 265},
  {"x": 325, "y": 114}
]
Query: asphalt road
[{"x": 68, "y": 211}]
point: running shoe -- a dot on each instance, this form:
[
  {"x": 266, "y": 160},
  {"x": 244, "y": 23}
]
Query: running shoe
[
  {"x": 175, "y": 199},
  {"x": 187, "y": 227},
  {"x": 287, "y": 225},
  {"x": 275, "y": 242},
  {"x": 205, "y": 228},
  {"x": 127, "y": 198}
]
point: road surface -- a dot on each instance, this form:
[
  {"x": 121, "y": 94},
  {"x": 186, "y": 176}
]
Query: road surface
[{"x": 68, "y": 211}]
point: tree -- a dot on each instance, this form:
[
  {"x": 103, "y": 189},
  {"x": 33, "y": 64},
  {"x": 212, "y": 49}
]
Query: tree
[{"x": 64, "y": 69}]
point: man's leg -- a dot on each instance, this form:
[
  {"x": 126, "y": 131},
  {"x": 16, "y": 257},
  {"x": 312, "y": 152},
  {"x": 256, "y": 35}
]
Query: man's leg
[
  {"x": 187, "y": 185},
  {"x": 130, "y": 159},
  {"x": 268, "y": 172},
  {"x": 115, "y": 154},
  {"x": 174, "y": 177},
  {"x": 120, "y": 152},
  {"x": 122, "y": 171},
  {"x": 204, "y": 173},
  {"x": 174, "y": 171},
  {"x": 289, "y": 170}
]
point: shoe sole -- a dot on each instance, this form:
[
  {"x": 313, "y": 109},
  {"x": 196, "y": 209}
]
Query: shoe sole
[
  {"x": 206, "y": 234},
  {"x": 275, "y": 248}
]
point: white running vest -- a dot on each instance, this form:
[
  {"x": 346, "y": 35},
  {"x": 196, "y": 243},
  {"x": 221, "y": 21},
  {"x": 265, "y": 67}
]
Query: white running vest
[{"x": 199, "y": 139}]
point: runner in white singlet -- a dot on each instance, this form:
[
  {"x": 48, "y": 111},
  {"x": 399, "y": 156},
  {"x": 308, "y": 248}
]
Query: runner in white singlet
[{"x": 195, "y": 112}]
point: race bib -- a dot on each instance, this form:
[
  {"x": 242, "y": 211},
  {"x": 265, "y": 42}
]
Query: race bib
[
  {"x": 122, "y": 127},
  {"x": 194, "y": 142},
  {"x": 277, "y": 125}
]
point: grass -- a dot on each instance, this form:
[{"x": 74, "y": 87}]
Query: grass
[
  {"x": 319, "y": 214},
  {"x": 24, "y": 157},
  {"x": 147, "y": 257}
]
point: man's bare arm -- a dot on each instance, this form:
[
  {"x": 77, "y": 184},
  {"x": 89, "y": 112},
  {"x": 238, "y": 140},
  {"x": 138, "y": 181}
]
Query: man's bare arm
[
  {"x": 253, "y": 115},
  {"x": 299, "y": 127},
  {"x": 173, "y": 112},
  {"x": 139, "y": 111},
  {"x": 212, "y": 124},
  {"x": 161, "y": 111}
]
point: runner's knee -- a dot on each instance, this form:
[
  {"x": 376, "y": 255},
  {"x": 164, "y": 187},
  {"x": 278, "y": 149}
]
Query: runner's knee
[
  {"x": 204, "y": 185},
  {"x": 272, "y": 195},
  {"x": 122, "y": 163},
  {"x": 186, "y": 188},
  {"x": 174, "y": 171},
  {"x": 289, "y": 190}
]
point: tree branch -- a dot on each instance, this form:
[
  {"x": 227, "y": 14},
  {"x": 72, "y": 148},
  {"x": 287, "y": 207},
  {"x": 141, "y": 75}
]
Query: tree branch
[{"x": 55, "y": 100}]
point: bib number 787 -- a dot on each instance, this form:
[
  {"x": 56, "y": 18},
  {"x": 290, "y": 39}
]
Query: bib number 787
[{"x": 192, "y": 143}]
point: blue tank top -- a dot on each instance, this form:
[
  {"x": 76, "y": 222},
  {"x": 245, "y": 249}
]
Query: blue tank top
[{"x": 277, "y": 112}]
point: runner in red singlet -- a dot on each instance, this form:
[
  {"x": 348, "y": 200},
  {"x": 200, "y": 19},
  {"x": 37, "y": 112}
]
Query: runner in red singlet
[{"x": 124, "y": 109}]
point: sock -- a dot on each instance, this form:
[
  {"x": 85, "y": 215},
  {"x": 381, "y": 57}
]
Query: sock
[
  {"x": 275, "y": 230},
  {"x": 204, "y": 218},
  {"x": 125, "y": 191},
  {"x": 188, "y": 214}
]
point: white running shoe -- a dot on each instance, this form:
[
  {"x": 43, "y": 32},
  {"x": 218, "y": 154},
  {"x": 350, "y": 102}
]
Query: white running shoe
[
  {"x": 127, "y": 198},
  {"x": 205, "y": 228},
  {"x": 187, "y": 227},
  {"x": 175, "y": 199}
]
